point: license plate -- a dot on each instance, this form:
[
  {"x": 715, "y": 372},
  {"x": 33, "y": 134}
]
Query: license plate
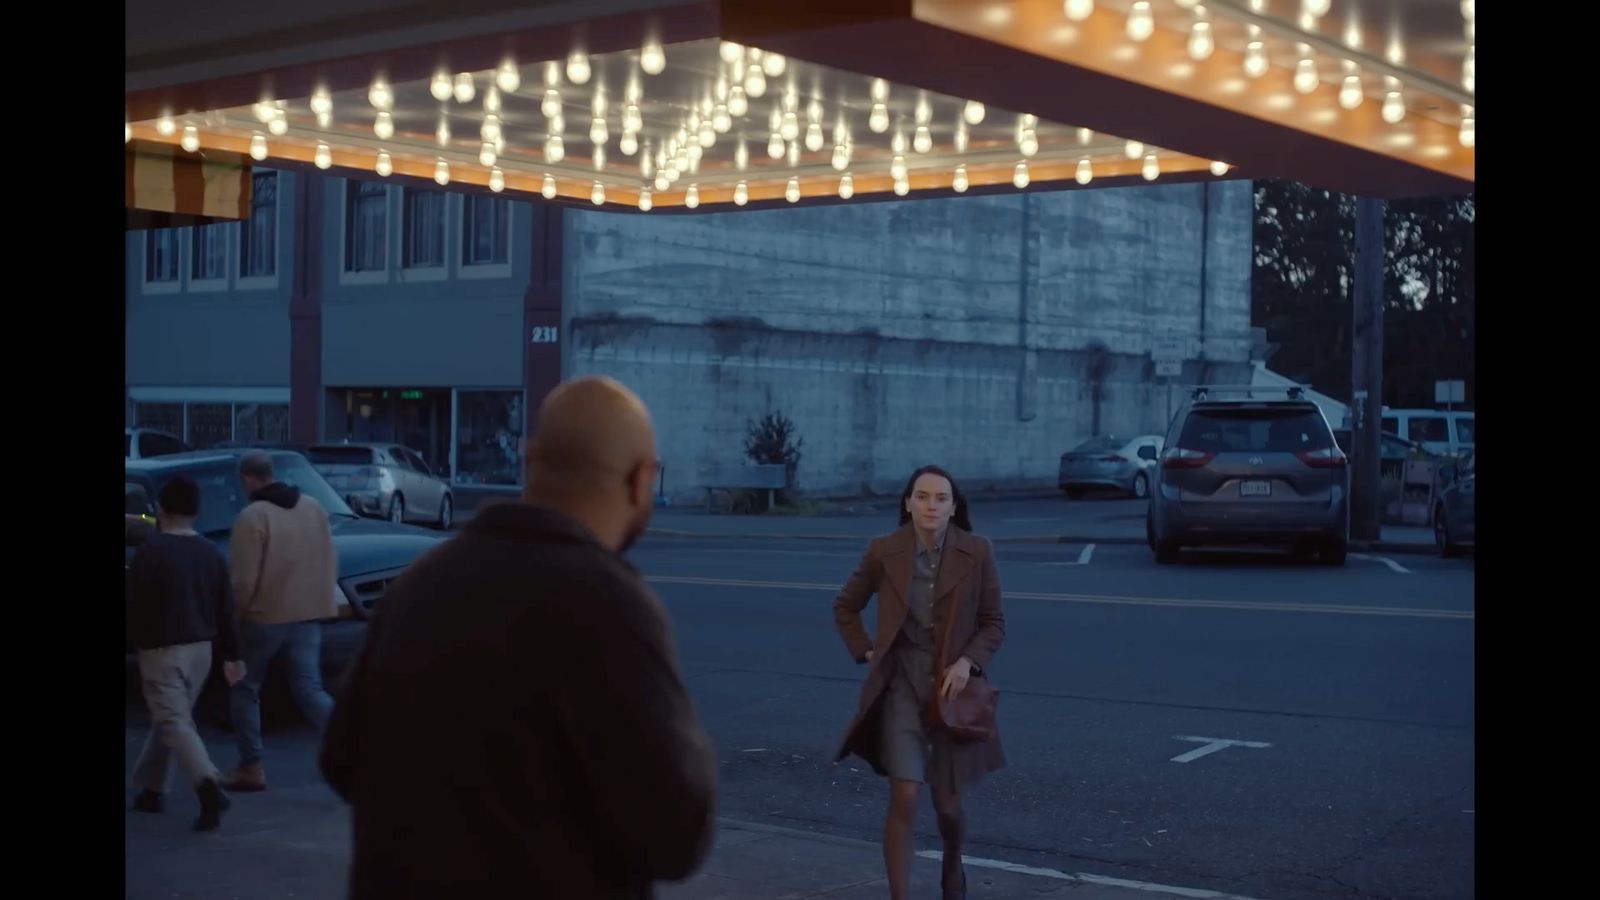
[{"x": 1255, "y": 489}]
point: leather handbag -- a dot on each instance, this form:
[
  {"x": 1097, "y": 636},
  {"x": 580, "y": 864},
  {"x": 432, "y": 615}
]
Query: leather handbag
[{"x": 969, "y": 717}]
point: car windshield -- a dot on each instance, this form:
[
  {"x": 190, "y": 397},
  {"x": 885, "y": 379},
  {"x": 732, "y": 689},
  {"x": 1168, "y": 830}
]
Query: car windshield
[
  {"x": 340, "y": 456},
  {"x": 1256, "y": 430},
  {"x": 222, "y": 498},
  {"x": 1099, "y": 445}
]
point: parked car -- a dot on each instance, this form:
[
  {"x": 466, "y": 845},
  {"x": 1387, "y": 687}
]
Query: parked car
[
  {"x": 387, "y": 481},
  {"x": 1443, "y": 432},
  {"x": 1393, "y": 451},
  {"x": 1250, "y": 471},
  {"x": 1110, "y": 462},
  {"x": 143, "y": 443},
  {"x": 1455, "y": 509}
]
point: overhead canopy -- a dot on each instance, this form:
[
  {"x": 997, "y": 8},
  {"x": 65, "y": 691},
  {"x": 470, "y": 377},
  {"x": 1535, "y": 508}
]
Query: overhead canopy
[{"x": 638, "y": 104}]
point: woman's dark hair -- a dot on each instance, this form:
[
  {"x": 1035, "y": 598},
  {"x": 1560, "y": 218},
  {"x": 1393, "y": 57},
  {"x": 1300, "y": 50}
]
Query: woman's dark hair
[{"x": 959, "y": 517}]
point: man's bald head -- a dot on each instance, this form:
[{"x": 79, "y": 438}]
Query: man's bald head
[{"x": 593, "y": 455}]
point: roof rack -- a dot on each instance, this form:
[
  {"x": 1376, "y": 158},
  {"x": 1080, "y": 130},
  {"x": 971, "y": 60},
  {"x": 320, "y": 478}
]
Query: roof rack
[{"x": 1205, "y": 391}]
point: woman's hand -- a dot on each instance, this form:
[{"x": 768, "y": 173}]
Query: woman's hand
[{"x": 955, "y": 678}]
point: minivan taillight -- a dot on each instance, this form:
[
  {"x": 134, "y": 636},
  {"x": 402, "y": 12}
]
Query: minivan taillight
[
  {"x": 1179, "y": 458},
  {"x": 1326, "y": 458}
]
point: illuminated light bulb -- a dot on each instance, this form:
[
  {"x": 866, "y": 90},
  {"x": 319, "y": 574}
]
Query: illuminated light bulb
[
  {"x": 384, "y": 166},
  {"x": 258, "y": 147},
  {"x": 1219, "y": 168},
  {"x": 1085, "y": 135},
  {"x": 961, "y": 138},
  {"x": 774, "y": 64},
  {"x": 1026, "y": 121},
  {"x": 923, "y": 142},
  {"x": 973, "y": 112},
  {"x": 442, "y": 133},
  {"x": 652, "y": 58},
  {"x": 1085, "y": 173},
  {"x": 730, "y": 52},
  {"x": 898, "y": 142},
  {"x": 1029, "y": 145},
  {"x": 645, "y": 203},
  {"x": 1020, "y": 176},
  {"x": 691, "y": 197},
  {"x": 127, "y": 132},
  {"x": 191, "y": 139},
  {"x": 551, "y": 104},
  {"x": 1469, "y": 10},
  {"x": 708, "y": 135},
  {"x": 1141, "y": 23},
  {"x": 791, "y": 126},
  {"x": 897, "y": 168},
  {"x": 1188, "y": 4},
  {"x": 791, "y": 191},
  {"x": 554, "y": 148},
  {"x": 486, "y": 156},
  {"x": 841, "y": 158},
  {"x": 693, "y": 153},
  {"x": 1469, "y": 131},
  {"x": 166, "y": 127},
  {"x": 880, "y": 90},
  {"x": 556, "y": 125},
  {"x": 741, "y": 194},
  {"x": 902, "y": 188},
  {"x": 1152, "y": 168},
  {"x": 1201, "y": 44},
  {"x": 597, "y": 196},
  {"x": 1077, "y": 11},
  {"x": 1133, "y": 149},
  {"x": 775, "y": 146},
  {"x": 813, "y": 137},
  {"x": 847, "y": 186},
  {"x": 465, "y": 88},
  {"x": 497, "y": 180},
  {"x": 264, "y": 111},
  {"x": 383, "y": 126},
  {"x": 547, "y": 188},
  {"x": 508, "y": 77},
  {"x": 598, "y": 133},
  {"x": 578, "y": 67},
  {"x": 662, "y": 180},
  {"x": 278, "y": 126},
  {"x": 324, "y": 120},
  {"x": 380, "y": 95},
  {"x": 721, "y": 122},
  {"x": 440, "y": 87},
  {"x": 755, "y": 82},
  {"x": 491, "y": 100},
  {"x": 629, "y": 145},
  {"x": 741, "y": 156},
  {"x": 1306, "y": 78},
  {"x": 959, "y": 182},
  {"x": 552, "y": 74},
  {"x": 632, "y": 119},
  {"x": 490, "y": 129},
  {"x": 794, "y": 153},
  {"x": 924, "y": 112},
  {"x": 878, "y": 121},
  {"x": 1318, "y": 8},
  {"x": 441, "y": 173},
  {"x": 738, "y": 104},
  {"x": 1350, "y": 94},
  {"x": 1394, "y": 107},
  {"x": 1255, "y": 59},
  {"x": 321, "y": 102}
]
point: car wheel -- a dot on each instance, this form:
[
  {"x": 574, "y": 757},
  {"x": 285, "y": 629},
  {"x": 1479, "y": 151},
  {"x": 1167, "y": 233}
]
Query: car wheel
[
  {"x": 397, "y": 510},
  {"x": 445, "y": 512},
  {"x": 1334, "y": 552},
  {"x": 1441, "y": 536},
  {"x": 1141, "y": 486}
]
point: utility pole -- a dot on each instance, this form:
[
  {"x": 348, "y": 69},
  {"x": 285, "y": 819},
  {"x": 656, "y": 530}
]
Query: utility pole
[{"x": 1366, "y": 375}]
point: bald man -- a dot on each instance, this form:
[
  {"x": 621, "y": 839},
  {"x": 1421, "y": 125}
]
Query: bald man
[{"x": 516, "y": 724}]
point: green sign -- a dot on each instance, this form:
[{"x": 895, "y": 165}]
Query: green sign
[{"x": 410, "y": 395}]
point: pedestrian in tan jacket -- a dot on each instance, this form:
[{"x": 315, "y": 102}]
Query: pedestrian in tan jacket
[{"x": 284, "y": 578}]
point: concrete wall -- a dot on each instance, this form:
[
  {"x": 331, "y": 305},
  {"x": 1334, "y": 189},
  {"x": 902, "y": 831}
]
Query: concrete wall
[{"x": 970, "y": 332}]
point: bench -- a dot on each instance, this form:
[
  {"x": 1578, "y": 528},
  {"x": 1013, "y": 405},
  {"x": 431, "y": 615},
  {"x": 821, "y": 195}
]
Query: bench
[{"x": 769, "y": 478}]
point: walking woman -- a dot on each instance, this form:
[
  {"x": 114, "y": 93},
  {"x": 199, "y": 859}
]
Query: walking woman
[{"x": 938, "y": 599}]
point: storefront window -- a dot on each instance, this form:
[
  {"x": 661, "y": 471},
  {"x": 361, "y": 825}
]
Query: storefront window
[
  {"x": 166, "y": 417},
  {"x": 489, "y": 437},
  {"x": 209, "y": 424},
  {"x": 265, "y": 422}
]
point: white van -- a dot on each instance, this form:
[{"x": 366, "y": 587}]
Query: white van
[{"x": 1451, "y": 433}]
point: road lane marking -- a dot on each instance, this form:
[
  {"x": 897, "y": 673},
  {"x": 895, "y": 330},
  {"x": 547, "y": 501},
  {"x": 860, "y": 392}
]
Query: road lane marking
[
  {"x": 1212, "y": 745},
  {"x": 1085, "y": 877},
  {"x": 1385, "y": 560},
  {"x": 1083, "y": 558},
  {"x": 1188, "y": 603}
]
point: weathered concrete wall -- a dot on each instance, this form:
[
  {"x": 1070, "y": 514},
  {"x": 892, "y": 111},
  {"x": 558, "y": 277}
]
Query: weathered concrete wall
[{"x": 977, "y": 333}]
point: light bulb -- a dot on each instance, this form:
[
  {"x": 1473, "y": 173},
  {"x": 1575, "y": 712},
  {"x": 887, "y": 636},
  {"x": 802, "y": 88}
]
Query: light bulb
[
  {"x": 878, "y": 121},
  {"x": 791, "y": 191},
  {"x": 629, "y": 145},
  {"x": 961, "y": 137},
  {"x": 774, "y": 64},
  {"x": 662, "y": 181},
  {"x": 491, "y": 100},
  {"x": 738, "y": 104},
  {"x": 791, "y": 126},
  {"x": 755, "y": 82},
  {"x": 497, "y": 180},
  {"x": 321, "y": 102},
  {"x": 258, "y": 147},
  {"x": 278, "y": 126},
  {"x": 1305, "y": 76},
  {"x": 1469, "y": 10},
  {"x": 1200, "y": 41},
  {"x": 814, "y": 137},
  {"x": 721, "y": 122},
  {"x": 1350, "y": 94},
  {"x": 1255, "y": 59},
  {"x": 708, "y": 135},
  {"x": 1219, "y": 168},
  {"x": 490, "y": 129},
  {"x": 383, "y": 126},
  {"x": 191, "y": 139},
  {"x": 880, "y": 90},
  {"x": 1077, "y": 11},
  {"x": 384, "y": 166},
  {"x": 554, "y": 148},
  {"x": 741, "y": 156},
  {"x": 324, "y": 120},
  {"x": 508, "y": 77},
  {"x": 1133, "y": 149},
  {"x": 1469, "y": 69},
  {"x": 166, "y": 127},
  {"x": 547, "y": 188},
  {"x": 441, "y": 172},
  {"x": 898, "y": 142},
  {"x": 552, "y": 74},
  {"x": 465, "y": 88},
  {"x": 1085, "y": 173},
  {"x": 1394, "y": 107},
  {"x": 847, "y": 186},
  {"x": 741, "y": 194},
  {"x": 551, "y": 104},
  {"x": 924, "y": 112},
  {"x": 1020, "y": 176},
  {"x": 972, "y": 112},
  {"x": 775, "y": 146},
  {"x": 1318, "y": 8},
  {"x": 1085, "y": 135},
  {"x": 645, "y": 203},
  {"x": 597, "y": 196},
  {"x": 897, "y": 168},
  {"x": 959, "y": 182},
  {"x": 440, "y": 87},
  {"x": 632, "y": 119},
  {"x": 730, "y": 52},
  {"x": 578, "y": 67},
  {"x": 1469, "y": 131},
  {"x": 486, "y": 155},
  {"x": 380, "y": 95},
  {"x": 794, "y": 153},
  {"x": 1141, "y": 23},
  {"x": 1029, "y": 145},
  {"x": 652, "y": 58},
  {"x": 902, "y": 188},
  {"x": 442, "y": 133},
  {"x": 1026, "y": 121},
  {"x": 1187, "y": 4},
  {"x": 265, "y": 111},
  {"x": 127, "y": 132},
  {"x": 1152, "y": 168},
  {"x": 598, "y": 133},
  {"x": 841, "y": 158},
  {"x": 923, "y": 142},
  {"x": 691, "y": 197},
  {"x": 556, "y": 125}
]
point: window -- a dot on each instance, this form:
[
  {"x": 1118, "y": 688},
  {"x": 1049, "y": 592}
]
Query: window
[
  {"x": 210, "y": 424},
  {"x": 1255, "y": 431},
  {"x": 1466, "y": 430},
  {"x": 261, "y": 422},
  {"x": 366, "y": 226},
  {"x": 1429, "y": 429},
  {"x": 166, "y": 417},
  {"x": 423, "y": 229},
  {"x": 210, "y": 256},
  {"x": 161, "y": 255},
  {"x": 485, "y": 234},
  {"x": 258, "y": 235},
  {"x": 489, "y": 437}
]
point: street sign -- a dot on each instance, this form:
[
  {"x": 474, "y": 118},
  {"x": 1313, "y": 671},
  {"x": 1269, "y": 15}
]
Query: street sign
[
  {"x": 1169, "y": 349},
  {"x": 1166, "y": 367},
  {"x": 1449, "y": 392}
]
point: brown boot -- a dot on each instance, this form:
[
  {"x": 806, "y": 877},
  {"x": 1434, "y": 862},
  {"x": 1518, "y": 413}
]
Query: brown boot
[{"x": 248, "y": 777}]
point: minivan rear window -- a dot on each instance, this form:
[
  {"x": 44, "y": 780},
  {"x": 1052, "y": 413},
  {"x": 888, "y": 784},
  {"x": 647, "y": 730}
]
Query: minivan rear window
[
  {"x": 1255, "y": 430},
  {"x": 340, "y": 456}
]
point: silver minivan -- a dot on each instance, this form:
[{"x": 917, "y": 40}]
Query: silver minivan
[
  {"x": 387, "y": 481},
  {"x": 1249, "y": 471}
]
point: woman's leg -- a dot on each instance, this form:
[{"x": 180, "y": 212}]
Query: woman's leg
[
  {"x": 952, "y": 829},
  {"x": 897, "y": 829}
]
